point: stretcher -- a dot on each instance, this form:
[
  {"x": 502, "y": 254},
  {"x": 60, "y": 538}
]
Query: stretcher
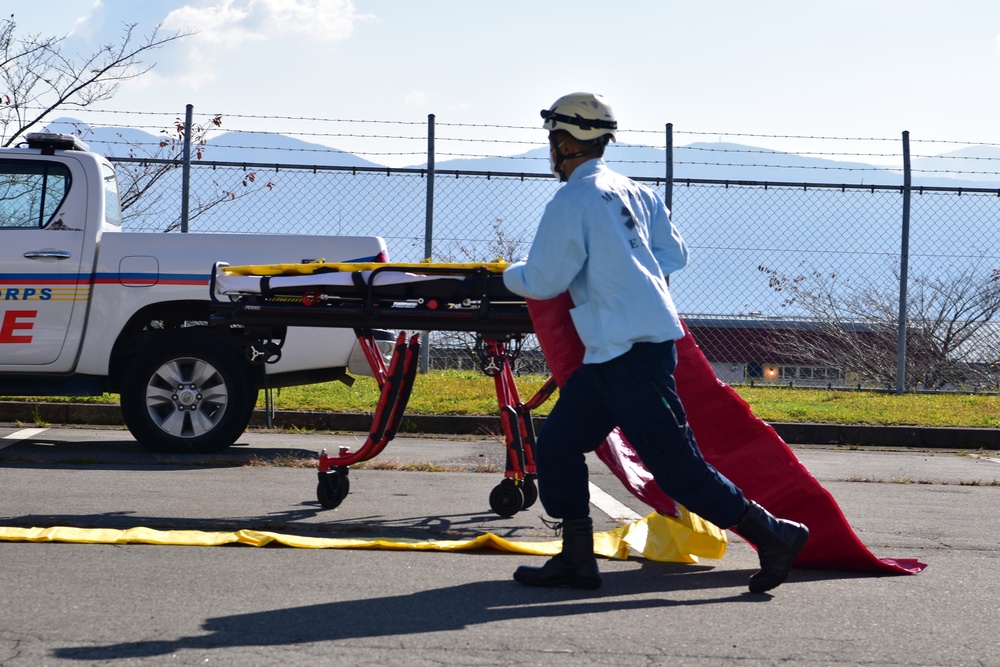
[{"x": 422, "y": 297}]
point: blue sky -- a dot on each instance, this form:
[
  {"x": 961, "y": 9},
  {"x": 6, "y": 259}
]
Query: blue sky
[{"x": 854, "y": 68}]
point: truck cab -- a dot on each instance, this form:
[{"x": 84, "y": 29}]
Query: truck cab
[{"x": 47, "y": 209}]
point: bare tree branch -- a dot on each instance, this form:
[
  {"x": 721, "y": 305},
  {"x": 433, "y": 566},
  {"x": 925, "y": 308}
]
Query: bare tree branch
[
  {"x": 37, "y": 77},
  {"x": 854, "y": 326}
]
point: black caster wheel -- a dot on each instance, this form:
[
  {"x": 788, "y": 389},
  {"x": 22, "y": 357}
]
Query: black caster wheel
[
  {"x": 506, "y": 499},
  {"x": 530, "y": 491},
  {"x": 332, "y": 488}
]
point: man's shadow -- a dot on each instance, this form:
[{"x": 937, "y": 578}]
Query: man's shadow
[{"x": 451, "y": 608}]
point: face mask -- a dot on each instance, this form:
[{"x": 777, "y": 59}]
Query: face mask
[{"x": 552, "y": 165}]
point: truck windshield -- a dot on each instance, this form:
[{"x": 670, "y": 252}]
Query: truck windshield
[
  {"x": 112, "y": 201},
  {"x": 31, "y": 193}
]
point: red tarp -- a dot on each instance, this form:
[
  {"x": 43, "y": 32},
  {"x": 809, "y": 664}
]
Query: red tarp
[{"x": 742, "y": 447}]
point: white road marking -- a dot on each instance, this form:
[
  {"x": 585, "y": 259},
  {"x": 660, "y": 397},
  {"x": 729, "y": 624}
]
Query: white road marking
[
  {"x": 23, "y": 434},
  {"x": 610, "y": 506}
]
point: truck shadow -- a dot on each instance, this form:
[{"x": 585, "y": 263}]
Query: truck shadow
[{"x": 112, "y": 454}]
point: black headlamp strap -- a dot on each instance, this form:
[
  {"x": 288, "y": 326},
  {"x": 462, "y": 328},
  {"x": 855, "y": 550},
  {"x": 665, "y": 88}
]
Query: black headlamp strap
[{"x": 580, "y": 121}]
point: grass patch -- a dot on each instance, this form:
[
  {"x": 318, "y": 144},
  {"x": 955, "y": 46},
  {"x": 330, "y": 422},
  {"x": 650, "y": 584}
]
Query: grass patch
[
  {"x": 288, "y": 460},
  {"x": 435, "y": 393},
  {"x": 416, "y": 466},
  {"x": 472, "y": 393},
  {"x": 784, "y": 404}
]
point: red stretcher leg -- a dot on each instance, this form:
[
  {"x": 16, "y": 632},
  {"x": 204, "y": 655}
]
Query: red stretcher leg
[
  {"x": 405, "y": 389},
  {"x": 396, "y": 386},
  {"x": 518, "y": 490},
  {"x": 528, "y": 427},
  {"x": 372, "y": 353}
]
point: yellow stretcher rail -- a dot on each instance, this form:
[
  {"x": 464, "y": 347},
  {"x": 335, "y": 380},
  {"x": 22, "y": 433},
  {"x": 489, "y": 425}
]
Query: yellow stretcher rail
[{"x": 309, "y": 268}]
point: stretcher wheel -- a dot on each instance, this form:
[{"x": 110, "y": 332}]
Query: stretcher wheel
[
  {"x": 530, "y": 492},
  {"x": 507, "y": 499},
  {"x": 332, "y": 488}
]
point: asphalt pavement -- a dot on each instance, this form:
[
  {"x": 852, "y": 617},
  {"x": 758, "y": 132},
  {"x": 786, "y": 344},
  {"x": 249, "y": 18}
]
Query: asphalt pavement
[{"x": 112, "y": 604}]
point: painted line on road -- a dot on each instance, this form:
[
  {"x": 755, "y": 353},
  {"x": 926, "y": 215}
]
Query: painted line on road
[
  {"x": 614, "y": 509},
  {"x": 23, "y": 434}
]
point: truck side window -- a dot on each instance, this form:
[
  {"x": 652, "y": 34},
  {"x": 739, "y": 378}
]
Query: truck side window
[
  {"x": 31, "y": 193},
  {"x": 112, "y": 200}
]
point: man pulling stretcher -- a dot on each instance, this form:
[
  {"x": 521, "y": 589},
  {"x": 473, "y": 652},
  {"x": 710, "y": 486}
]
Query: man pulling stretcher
[
  {"x": 604, "y": 249},
  {"x": 610, "y": 243}
]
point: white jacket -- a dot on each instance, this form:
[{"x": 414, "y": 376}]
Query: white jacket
[{"x": 610, "y": 242}]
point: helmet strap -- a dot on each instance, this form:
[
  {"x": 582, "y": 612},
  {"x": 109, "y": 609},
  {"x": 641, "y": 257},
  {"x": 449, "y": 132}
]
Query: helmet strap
[{"x": 560, "y": 158}]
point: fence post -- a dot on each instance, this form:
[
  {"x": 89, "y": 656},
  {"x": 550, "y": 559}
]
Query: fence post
[
  {"x": 425, "y": 350},
  {"x": 186, "y": 169},
  {"x": 668, "y": 198},
  {"x": 904, "y": 261}
]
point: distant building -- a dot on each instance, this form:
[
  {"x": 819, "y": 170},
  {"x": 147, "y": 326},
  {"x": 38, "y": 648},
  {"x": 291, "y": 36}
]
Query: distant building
[{"x": 744, "y": 350}]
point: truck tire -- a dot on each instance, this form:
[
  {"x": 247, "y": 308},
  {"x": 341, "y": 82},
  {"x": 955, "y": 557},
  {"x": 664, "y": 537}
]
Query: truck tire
[{"x": 187, "y": 392}]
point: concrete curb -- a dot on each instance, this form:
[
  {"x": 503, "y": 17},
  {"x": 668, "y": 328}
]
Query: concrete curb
[{"x": 795, "y": 433}]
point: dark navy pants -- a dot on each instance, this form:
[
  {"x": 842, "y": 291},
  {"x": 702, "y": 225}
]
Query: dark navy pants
[{"x": 637, "y": 393}]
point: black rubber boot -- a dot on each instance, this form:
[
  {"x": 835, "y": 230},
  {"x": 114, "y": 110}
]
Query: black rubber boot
[
  {"x": 575, "y": 567},
  {"x": 778, "y": 542}
]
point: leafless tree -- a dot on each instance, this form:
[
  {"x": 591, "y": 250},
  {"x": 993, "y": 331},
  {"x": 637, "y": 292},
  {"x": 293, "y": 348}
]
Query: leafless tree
[
  {"x": 38, "y": 77},
  {"x": 948, "y": 326},
  {"x": 146, "y": 189},
  {"x": 462, "y": 347}
]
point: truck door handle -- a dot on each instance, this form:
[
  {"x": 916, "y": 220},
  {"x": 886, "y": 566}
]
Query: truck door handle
[{"x": 43, "y": 254}]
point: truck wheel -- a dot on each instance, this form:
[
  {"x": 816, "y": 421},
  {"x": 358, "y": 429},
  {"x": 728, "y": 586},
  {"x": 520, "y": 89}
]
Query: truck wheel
[{"x": 187, "y": 393}]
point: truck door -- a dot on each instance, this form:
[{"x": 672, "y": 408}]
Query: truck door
[{"x": 41, "y": 241}]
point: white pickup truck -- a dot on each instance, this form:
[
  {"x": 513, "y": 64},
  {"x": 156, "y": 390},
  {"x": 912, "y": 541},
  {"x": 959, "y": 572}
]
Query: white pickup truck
[{"x": 87, "y": 308}]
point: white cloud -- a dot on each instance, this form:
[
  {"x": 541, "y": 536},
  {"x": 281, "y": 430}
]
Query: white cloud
[
  {"x": 229, "y": 23},
  {"x": 88, "y": 24},
  {"x": 417, "y": 98},
  {"x": 218, "y": 25},
  {"x": 329, "y": 20},
  {"x": 227, "y": 26}
]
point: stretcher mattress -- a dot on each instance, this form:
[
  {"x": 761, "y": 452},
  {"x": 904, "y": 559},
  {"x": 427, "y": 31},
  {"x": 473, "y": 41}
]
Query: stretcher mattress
[
  {"x": 394, "y": 285},
  {"x": 423, "y": 296}
]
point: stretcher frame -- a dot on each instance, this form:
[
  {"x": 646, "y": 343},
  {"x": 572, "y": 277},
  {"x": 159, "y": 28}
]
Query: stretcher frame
[{"x": 364, "y": 297}]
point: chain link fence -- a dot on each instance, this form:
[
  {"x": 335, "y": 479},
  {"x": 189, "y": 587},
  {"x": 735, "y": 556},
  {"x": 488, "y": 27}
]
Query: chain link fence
[
  {"x": 799, "y": 285},
  {"x": 792, "y": 284}
]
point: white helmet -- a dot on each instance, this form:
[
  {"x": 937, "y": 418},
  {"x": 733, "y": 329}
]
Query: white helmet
[{"x": 586, "y": 116}]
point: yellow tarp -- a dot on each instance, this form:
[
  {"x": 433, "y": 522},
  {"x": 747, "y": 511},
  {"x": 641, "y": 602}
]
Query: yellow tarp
[{"x": 655, "y": 537}]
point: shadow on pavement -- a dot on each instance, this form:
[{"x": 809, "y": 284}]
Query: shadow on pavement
[
  {"x": 451, "y": 608},
  {"x": 114, "y": 454}
]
